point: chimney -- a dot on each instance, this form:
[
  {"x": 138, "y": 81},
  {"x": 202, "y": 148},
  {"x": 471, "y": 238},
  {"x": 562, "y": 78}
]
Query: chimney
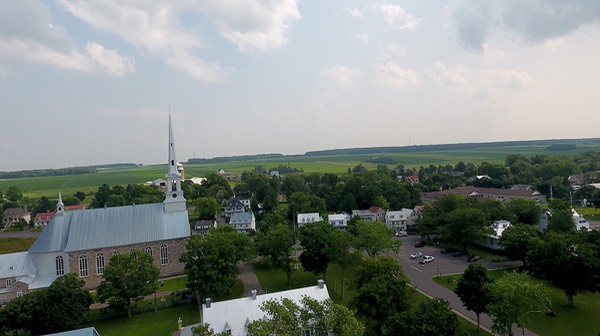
[
  {"x": 320, "y": 283},
  {"x": 208, "y": 301},
  {"x": 253, "y": 292}
]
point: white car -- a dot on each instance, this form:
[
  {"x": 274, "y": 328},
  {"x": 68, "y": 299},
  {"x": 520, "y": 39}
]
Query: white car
[
  {"x": 427, "y": 259},
  {"x": 401, "y": 234},
  {"x": 416, "y": 255}
]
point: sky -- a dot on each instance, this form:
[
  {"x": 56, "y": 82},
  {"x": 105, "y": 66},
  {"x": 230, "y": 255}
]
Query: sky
[{"x": 93, "y": 82}]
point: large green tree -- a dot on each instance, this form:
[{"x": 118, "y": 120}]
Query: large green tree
[
  {"x": 473, "y": 289},
  {"x": 343, "y": 254},
  {"x": 14, "y": 194},
  {"x": 210, "y": 261},
  {"x": 319, "y": 318},
  {"x": 517, "y": 239},
  {"x": 464, "y": 227},
  {"x": 374, "y": 238},
  {"x": 514, "y": 298},
  {"x": 382, "y": 290},
  {"x": 275, "y": 247},
  {"x": 60, "y": 307},
  {"x": 207, "y": 207},
  {"x": 128, "y": 277},
  {"x": 523, "y": 211},
  {"x": 316, "y": 240}
]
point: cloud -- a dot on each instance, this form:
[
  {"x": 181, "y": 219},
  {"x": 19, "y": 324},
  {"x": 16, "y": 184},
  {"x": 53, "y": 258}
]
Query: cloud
[
  {"x": 253, "y": 24},
  {"x": 471, "y": 82},
  {"x": 362, "y": 37},
  {"x": 392, "y": 76},
  {"x": 539, "y": 20},
  {"x": 397, "y": 18},
  {"x": 341, "y": 75},
  {"x": 109, "y": 60},
  {"x": 473, "y": 23},
  {"x": 353, "y": 12}
]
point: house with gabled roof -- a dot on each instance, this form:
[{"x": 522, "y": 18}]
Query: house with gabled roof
[
  {"x": 13, "y": 216},
  {"x": 243, "y": 222},
  {"x": 305, "y": 218},
  {"x": 82, "y": 241},
  {"x": 373, "y": 214},
  {"x": 339, "y": 221}
]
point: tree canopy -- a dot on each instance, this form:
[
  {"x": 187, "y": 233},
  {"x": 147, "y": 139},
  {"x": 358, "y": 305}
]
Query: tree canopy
[{"x": 473, "y": 289}]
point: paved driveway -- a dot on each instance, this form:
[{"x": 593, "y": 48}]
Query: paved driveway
[{"x": 421, "y": 277}]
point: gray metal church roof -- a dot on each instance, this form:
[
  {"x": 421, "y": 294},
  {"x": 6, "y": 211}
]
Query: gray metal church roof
[
  {"x": 15, "y": 265},
  {"x": 108, "y": 227}
]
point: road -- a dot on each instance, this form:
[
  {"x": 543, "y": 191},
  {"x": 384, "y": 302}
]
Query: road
[
  {"x": 421, "y": 276},
  {"x": 20, "y": 234}
]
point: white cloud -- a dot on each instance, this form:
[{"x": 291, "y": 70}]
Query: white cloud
[
  {"x": 362, "y": 37},
  {"x": 397, "y": 18},
  {"x": 109, "y": 60},
  {"x": 392, "y": 76},
  {"x": 396, "y": 49},
  {"x": 253, "y": 24},
  {"x": 341, "y": 75},
  {"x": 471, "y": 82},
  {"x": 353, "y": 12}
]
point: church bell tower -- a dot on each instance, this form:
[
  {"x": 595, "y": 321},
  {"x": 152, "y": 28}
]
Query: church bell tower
[{"x": 174, "y": 200}]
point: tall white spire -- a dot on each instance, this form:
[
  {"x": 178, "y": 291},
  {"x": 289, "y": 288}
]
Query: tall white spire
[
  {"x": 60, "y": 206},
  {"x": 174, "y": 200}
]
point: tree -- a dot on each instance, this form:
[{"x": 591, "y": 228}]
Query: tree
[
  {"x": 561, "y": 218},
  {"x": 128, "y": 277},
  {"x": 514, "y": 297},
  {"x": 374, "y": 238},
  {"x": 382, "y": 291},
  {"x": 269, "y": 221},
  {"x": 316, "y": 241},
  {"x": 207, "y": 207},
  {"x": 276, "y": 248},
  {"x": 473, "y": 290},
  {"x": 14, "y": 194},
  {"x": 210, "y": 261},
  {"x": 559, "y": 257},
  {"x": 342, "y": 253},
  {"x": 435, "y": 317},
  {"x": 319, "y": 318},
  {"x": 44, "y": 205},
  {"x": 80, "y": 195},
  {"x": 523, "y": 211},
  {"x": 517, "y": 239},
  {"x": 464, "y": 227},
  {"x": 60, "y": 307}
]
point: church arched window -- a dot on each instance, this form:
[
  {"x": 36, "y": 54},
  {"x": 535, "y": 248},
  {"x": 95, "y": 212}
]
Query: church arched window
[
  {"x": 100, "y": 263},
  {"x": 19, "y": 293},
  {"x": 164, "y": 255},
  {"x": 60, "y": 266},
  {"x": 83, "y": 266},
  {"x": 149, "y": 251}
]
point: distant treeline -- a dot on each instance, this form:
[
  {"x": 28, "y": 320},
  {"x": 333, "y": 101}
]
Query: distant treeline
[
  {"x": 63, "y": 171},
  {"x": 224, "y": 159},
  {"x": 459, "y": 146},
  {"x": 562, "y": 147}
]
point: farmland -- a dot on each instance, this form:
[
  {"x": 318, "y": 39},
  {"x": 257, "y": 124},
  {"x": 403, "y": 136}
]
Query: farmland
[{"x": 330, "y": 163}]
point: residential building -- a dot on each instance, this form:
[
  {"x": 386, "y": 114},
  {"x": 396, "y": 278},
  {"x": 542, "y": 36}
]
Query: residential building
[
  {"x": 305, "y": 218},
  {"x": 202, "y": 226},
  {"x": 400, "y": 220},
  {"x": 339, "y": 221},
  {"x": 83, "y": 241},
  {"x": 236, "y": 205},
  {"x": 373, "y": 214},
  {"x": 89, "y": 331},
  {"x": 579, "y": 221},
  {"x": 233, "y": 316},
  {"x": 492, "y": 241},
  {"x": 243, "y": 222},
  {"x": 42, "y": 219},
  {"x": 483, "y": 194},
  {"x": 282, "y": 198},
  {"x": 13, "y": 216}
]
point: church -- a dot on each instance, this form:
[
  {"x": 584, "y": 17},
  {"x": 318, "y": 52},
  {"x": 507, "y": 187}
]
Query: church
[{"x": 82, "y": 241}]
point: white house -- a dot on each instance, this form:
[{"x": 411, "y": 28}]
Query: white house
[
  {"x": 399, "y": 220},
  {"x": 305, "y": 218},
  {"x": 373, "y": 214},
  {"x": 492, "y": 240},
  {"x": 234, "y": 316},
  {"x": 339, "y": 221},
  {"x": 243, "y": 222},
  {"x": 579, "y": 221}
]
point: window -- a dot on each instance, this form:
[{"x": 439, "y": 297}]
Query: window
[
  {"x": 164, "y": 255},
  {"x": 60, "y": 266},
  {"x": 8, "y": 282},
  {"x": 83, "y": 266},
  {"x": 100, "y": 264},
  {"x": 19, "y": 293},
  {"x": 149, "y": 251},
  {"x": 115, "y": 252}
]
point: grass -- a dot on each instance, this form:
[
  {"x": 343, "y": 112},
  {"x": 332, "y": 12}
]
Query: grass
[
  {"x": 584, "y": 319},
  {"x": 172, "y": 284},
  {"x": 10, "y": 245},
  {"x": 590, "y": 213}
]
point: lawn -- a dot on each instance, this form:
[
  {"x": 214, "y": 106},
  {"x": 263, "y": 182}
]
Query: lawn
[
  {"x": 9, "y": 245},
  {"x": 584, "y": 319}
]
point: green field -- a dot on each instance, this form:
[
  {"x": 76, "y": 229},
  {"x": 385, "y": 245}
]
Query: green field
[{"x": 337, "y": 164}]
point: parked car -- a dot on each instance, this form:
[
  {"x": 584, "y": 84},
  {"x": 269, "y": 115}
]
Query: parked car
[
  {"x": 415, "y": 255},
  {"x": 457, "y": 254},
  {"x": 427, "y": 259},
  {"x": 447, "y": 250},
  {"x": 473, "y": 258},
  {"x": 419, "y": 243},
  {"x": 401, "y": 234}
]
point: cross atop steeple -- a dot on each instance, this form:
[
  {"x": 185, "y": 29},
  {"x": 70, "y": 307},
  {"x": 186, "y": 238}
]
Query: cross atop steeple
[{"x": 60, "y": 206}]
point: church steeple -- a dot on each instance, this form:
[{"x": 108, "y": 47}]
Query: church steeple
[
  {"x": 60, "y": 206},
  {"x": 174, "y": 200}
]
